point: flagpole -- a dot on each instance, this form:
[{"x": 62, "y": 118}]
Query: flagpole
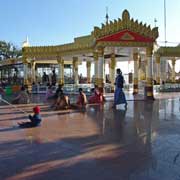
[{"x": 165, "y": 22}]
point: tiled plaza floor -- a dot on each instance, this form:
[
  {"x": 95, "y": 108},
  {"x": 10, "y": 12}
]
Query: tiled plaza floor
[{"x": 142, "y": 143}]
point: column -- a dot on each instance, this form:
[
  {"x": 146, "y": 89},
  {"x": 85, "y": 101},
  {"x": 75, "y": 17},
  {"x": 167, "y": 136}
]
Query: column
[
  {"x": 25, "y": 67},
  {"x": 88, "y": 67},
  {"x": 100, "y": 80},
  {"x": 158, "y": 58},
  {"x": 135, "y": 78},
  {"x": 173, "y": 78},
  {"x": 112, "y": 66},
  {"x": 149, "y": 79},
  {"x": 61, "y": 70},
  {"x": 33, "y": 65},
  {"x": 75, "y": 70},
  {"x": 95, "y": 54}
]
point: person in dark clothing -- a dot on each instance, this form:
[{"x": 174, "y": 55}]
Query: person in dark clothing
[
  {"x": 119, "y": 96},
  {"x": 45, "y": 78},
  {"x": 55, "y": 96},
  {"x": 53, "y": 78},
  {"x": 35, "y": 120},
  {"x": 58, "y": 91}
]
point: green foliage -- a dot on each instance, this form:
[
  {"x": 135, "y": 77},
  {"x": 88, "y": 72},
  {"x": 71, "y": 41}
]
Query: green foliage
[{"x": 8, "y": 50}]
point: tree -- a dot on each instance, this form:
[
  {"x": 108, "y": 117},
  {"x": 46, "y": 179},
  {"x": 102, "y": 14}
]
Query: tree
[{"x": 8, "y": 50}]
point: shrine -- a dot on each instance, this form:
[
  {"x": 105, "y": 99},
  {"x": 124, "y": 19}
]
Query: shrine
[{"x": 124, "y": 39}]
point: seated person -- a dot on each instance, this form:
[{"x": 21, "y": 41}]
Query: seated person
[
  {"x": 35, "y": 120},
  {"x": 49, "y": 93},
  {"x": 22, "y": 98},
  {"x": 58, "y": 91},
  {"x": 62, "y": 101},
  {"x": 97, "y": 96},
  {"x": 81, "y": 100},
  {"x": 55, "y": 96}
]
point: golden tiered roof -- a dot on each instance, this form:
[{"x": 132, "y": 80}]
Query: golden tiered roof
[
  {"x": 86, "y": 44},
  {"x": 169, "y": 51},
  {"x": 125, "y": 24}
]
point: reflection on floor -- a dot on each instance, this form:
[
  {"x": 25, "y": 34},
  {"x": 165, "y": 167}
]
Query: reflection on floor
[{"x": 141, "y": 143}]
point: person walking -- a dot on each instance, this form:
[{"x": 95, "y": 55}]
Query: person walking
[{"x": 119, "y": 96}]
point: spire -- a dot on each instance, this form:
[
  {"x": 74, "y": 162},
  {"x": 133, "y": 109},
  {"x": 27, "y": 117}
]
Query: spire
[
  {"x": 107, "y": 16},
  {"x": 155, "y": 21},
  {"x": 26, "y": 42}
]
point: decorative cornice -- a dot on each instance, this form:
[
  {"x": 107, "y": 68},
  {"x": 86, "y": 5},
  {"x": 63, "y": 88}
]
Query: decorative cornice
[
  {"x": 124, "y": 44},
  {"x": 53, "y": 51},
  {"x": 125, "y": 24},
  {"x": 87, "y": 44},
  {"x": 11, "y": 61},
  {"x": 168, "y": 51}
]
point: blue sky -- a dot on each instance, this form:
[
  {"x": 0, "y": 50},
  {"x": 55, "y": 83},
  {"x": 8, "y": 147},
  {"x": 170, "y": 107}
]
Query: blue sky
[{"x": 52, "y": 22}]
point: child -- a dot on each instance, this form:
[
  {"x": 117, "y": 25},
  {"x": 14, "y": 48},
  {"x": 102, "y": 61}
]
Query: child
[{"x": 35, "y": 120}]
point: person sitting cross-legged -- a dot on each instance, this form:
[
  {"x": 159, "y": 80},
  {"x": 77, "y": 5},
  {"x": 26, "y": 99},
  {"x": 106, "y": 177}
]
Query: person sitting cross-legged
[
  {"x": 97, "y": 96},
  {"x": 81, "y": 100},
  {"x": 62, "y": 101},
  {"x": 22, "y": 98}
]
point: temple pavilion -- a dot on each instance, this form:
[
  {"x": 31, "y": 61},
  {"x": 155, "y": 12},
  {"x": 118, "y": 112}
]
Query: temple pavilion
[{"x": 124, "y": 39}]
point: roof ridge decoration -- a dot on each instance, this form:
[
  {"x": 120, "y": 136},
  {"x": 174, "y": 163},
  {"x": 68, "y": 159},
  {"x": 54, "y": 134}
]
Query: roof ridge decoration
[
  {"x": 168, "y": 51},
  {"x": 125, "y": 24}
]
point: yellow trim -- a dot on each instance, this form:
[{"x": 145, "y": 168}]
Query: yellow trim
[
  {"x": 168, "y": 51},
  {"x": 88, "y": 64},
  {"x": 135, "y": 81},
  {"x": 100, "y": 82},
  {"x": 87, "y": 44},
  {"x": 149, "y": 51},
  {"x": 95, "y": 55},
  {"x": 135, "y": 56},
  {"x": 25, "y": 81},
  {"x": 124, "y": 44},
  {"x": 149, "y": 81},
  {"x": 61, "y": 81},
  {"x": 113, "y": 61},
  {"x": 100, "y": 51},
  {"x": 158, "y": 58},
  {"x": 135, "y": 91},
  {"x": 158, "y": 80},
  {"x": 149, "y": 94},
  {"x": 125, "y": 23},
  {"x": 173, "y": 61}
]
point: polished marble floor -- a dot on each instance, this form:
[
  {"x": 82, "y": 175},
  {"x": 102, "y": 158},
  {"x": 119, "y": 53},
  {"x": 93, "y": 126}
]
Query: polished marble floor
[{"x": 140, "y": 143}]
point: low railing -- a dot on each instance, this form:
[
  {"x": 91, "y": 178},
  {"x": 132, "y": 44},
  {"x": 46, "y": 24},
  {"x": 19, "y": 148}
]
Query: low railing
[
  {"x": 169, "y": 88},
  {"x": 68, "y": 88}
]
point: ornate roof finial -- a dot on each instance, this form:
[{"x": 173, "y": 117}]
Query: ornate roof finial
[
  {"x": 26, "y": 42},
  {"x": 107, "y": 16},
  {"x": 125, "y": 15},
  {"x": 155, "y": 21}
]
